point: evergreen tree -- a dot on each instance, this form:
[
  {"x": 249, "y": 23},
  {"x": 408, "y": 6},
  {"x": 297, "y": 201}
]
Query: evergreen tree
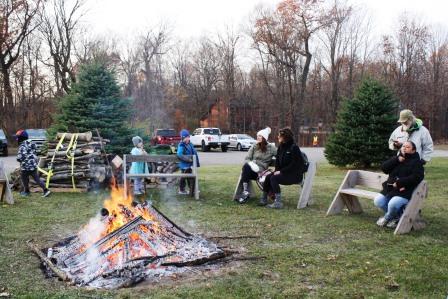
[
  {"x": 94, "y": 102},
  {"x": 363, "y": 127}
]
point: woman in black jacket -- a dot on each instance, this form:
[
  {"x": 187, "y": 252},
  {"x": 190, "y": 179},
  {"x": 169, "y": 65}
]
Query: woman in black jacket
[
  {"x": 405, "y": 173},
  {"x": 289, "y": 168}
]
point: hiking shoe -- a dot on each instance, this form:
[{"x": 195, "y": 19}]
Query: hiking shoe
[
  {"x": 182, "y": 192},
  {"x": 23, "y": 193},
  {"x": 46, "y": 193},
  {"x": 381, "y": 221},
  {"x": 275, "y": 205},
  {"x": 393, "y": 223}
]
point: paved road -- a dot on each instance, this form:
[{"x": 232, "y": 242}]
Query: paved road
[{"x": 216, "y": 157}]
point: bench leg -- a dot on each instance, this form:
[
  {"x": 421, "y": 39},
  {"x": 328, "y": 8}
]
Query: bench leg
[
  {"x": 305, "y": 195},
  {"x": 411, "y": 217},
  {"x": 238, "y": 188},
  {"x": 341, "y": 200}
]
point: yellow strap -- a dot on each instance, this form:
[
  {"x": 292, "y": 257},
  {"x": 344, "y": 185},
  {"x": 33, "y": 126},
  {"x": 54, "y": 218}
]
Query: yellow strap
[
  {"x": 50, "y": 165},
  {"x": 72, "y": 156}
]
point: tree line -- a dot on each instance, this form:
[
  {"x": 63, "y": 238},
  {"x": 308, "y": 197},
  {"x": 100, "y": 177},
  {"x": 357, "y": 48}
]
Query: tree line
[{"x": 307, "y": 57}]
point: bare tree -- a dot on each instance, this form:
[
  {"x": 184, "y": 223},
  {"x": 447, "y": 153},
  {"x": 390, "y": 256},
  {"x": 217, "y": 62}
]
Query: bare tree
[
  {"x": 59, "y": 28},
  {"x": 17, "y": 22}
]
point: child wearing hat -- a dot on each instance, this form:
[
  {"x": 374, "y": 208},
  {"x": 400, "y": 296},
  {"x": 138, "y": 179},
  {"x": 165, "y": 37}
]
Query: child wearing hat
[
  {"x": 138, "y": 167},
  {"x": 27, "y": 157},
  {"x": 184, "y": 151}
]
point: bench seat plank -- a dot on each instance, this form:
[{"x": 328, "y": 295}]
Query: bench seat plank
[{"x": 359, "y": 192}]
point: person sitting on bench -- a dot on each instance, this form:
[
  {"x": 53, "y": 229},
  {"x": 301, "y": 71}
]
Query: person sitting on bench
[
  {"x": 405, "y": 173},
  {"x": 257, "y": 160},
  {"x": 289, "y": 169}
]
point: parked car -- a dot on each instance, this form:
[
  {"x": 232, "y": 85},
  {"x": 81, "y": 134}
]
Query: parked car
[
  {"x": 241, "y": 142},
  {"x": 39, "y": 137},
  {"x": 207, "y": 138},
  {"x": 3, "y": 143},
  {"x": 165, "y": 136}
]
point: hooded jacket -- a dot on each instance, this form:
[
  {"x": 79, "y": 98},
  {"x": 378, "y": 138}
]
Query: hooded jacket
[
  {"x": 184, "y": 150},
  {"x": 407, "y": 174},
  {"x": 418, "y": 134},
  {"x": 289, "y": 160}
]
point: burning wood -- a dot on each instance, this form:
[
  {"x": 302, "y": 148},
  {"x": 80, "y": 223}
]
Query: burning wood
[{"x": 126, "y": 243}]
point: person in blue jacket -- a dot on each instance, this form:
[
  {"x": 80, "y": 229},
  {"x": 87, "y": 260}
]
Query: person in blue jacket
[
  {"x": 138, "y": 167},
  {"x": 184, "y": 150}
]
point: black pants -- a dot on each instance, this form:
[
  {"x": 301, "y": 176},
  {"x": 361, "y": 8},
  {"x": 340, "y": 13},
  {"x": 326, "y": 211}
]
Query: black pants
[
  {"x": 183, "y": 181},
  {"x": 273, "y": 182},
  {"x": 25, "y": 176},
  {"x": 248, "y": 174}
]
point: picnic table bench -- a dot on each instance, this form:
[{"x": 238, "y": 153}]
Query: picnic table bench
[
  {"x": 354, "y": 186},
  {"x": 158, "y": 159}
]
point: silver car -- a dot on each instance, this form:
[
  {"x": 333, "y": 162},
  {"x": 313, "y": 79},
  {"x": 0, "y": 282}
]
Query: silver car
[{"x": 241, "y": 141}]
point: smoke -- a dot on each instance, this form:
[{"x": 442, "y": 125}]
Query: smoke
[{"x": 92, "y": 231}]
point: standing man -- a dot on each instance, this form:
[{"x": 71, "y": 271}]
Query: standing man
[
  {"x": 412, "y": 129},
  {"x": 27, "y": 158}
]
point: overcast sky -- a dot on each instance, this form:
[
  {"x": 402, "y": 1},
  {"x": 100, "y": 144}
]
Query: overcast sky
[{"x": 193, "y": 18}]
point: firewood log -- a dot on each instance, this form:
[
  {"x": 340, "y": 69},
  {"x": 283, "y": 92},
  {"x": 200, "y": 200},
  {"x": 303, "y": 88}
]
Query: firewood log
[{"x": 87, "y": 136}]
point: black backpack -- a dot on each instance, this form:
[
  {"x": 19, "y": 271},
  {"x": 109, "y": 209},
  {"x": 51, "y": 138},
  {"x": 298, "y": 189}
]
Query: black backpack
[{"x": 306, "y": 162}]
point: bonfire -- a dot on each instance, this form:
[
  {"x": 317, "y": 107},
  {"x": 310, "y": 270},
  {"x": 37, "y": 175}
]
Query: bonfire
[{"x": 126, "y": 243}]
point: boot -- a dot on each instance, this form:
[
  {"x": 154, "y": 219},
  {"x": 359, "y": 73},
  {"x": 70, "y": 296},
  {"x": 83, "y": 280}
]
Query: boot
[
  {"x": 263, "y": 199},
  {"x": 277, "y": 202}
]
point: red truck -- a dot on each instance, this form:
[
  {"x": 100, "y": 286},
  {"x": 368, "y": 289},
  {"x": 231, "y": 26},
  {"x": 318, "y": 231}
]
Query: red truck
[{"x": 166, "y": 136}]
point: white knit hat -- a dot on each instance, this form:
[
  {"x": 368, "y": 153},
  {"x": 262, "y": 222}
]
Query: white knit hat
[{"x": 265, "y": 133}]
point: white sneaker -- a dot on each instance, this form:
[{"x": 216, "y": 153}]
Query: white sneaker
[
  {"x": 393, "y": 223},
  {"x": 381, "y": 221},
  {"x": 46, "y": 193},
  {"x": 182, "y": 192}
]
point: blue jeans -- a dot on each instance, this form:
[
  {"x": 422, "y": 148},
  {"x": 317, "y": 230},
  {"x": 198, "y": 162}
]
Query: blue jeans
[
  {"x": 138, "y": 186},
  {"x": 393, "y": 207}
]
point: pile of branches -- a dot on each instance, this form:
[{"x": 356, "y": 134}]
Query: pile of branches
[{"x": 89, "y": 168}]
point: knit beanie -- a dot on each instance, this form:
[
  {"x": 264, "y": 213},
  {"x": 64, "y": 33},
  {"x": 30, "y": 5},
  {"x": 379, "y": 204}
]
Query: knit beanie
[
  {"x": 265, "y": 133},
  {"x": 136, "y": 140},
  {"x": 184, "y": 133}
]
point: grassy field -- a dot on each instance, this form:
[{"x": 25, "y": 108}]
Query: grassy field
[{"x": 307, "y": 254}]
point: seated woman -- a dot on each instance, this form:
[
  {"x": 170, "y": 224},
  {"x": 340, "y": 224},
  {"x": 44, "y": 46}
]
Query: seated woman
[
  {"x": 289, "y": 168},
  {"x": 257, "y": 160},
  {"x": 405, "y": 173}
]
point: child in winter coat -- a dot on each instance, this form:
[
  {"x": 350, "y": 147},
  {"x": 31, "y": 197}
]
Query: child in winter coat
[
  {"x": 138, "y": 167},
  {"x": 184, "y": 150},
  {"x": 27, "y": 158}
]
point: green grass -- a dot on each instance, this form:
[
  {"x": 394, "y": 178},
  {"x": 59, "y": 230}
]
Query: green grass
[{"x": 307, "y": 253}]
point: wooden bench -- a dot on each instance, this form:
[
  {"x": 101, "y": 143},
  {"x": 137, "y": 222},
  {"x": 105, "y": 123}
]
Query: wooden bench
[
  {"x": 158, "y": 159},
  {"x": 305, "y": 198},
  {"x": 5, "y": 188},
  {"x": 351, "y": 189}
]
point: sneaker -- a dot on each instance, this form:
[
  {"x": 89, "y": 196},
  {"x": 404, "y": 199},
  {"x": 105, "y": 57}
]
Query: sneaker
[
  {"x": 182, "y": 192},
  {"x": 23, "y": 193},
  {"x": 393, "y": 223},
  {"x": 244, "y": 197},
  {"x": 138, "y": 193},
  {"x": 381, "y": 221},
  {"x": 46, "y": 193}
]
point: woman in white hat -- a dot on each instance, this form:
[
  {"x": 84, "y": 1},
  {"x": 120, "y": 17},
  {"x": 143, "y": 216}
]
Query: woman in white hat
[{"x": 257, "y": 160}]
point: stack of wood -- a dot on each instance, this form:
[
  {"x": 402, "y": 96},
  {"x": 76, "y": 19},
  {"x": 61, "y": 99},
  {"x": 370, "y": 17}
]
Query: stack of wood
[{"x": 90, "y": 167}]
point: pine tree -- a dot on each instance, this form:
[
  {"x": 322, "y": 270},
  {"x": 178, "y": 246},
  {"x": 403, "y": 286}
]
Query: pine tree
[
  {"x": 363, "y": 127},
  {"x": 94, "y": 102}
]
